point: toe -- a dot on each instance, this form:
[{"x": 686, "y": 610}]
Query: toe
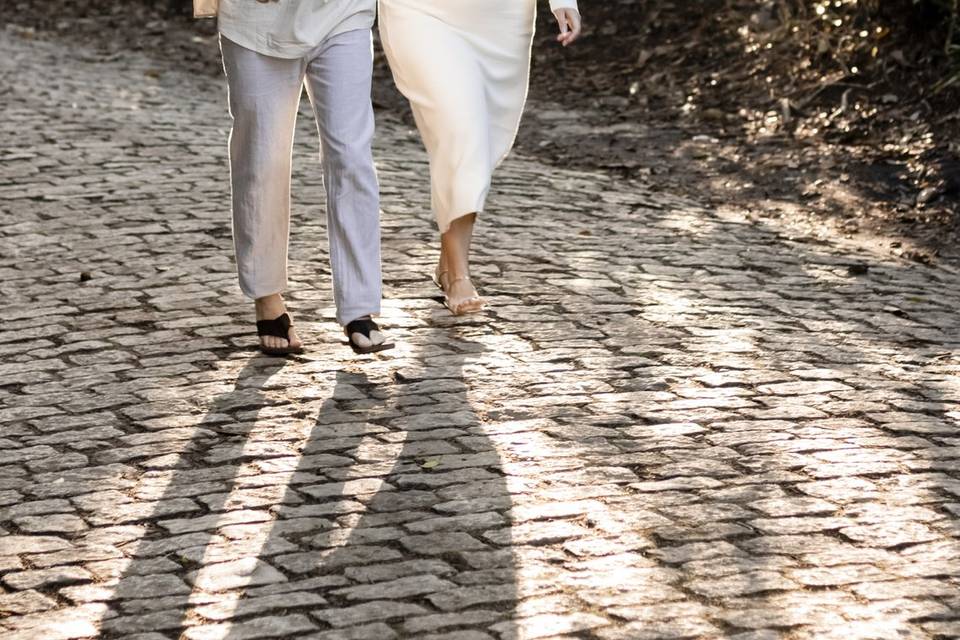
[
  {"x": 295, "y": 339},
  {"x": 360, "y": 340},
  {"x": 273, "y": 342},
  {"x": 376, "y": 337}
]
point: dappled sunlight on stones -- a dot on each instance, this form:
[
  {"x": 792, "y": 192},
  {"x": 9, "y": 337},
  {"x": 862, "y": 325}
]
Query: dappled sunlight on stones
[
  {"x": 232, "y": 575},
  {"x": 677, "y": 425},
  {"x": 741, "y": 583},
  {"x": 265, "y": 627},
  {"x": 46, "y": 578},
  {"x": 659, "y": 629},
  {"x": 24, "y": 602},
  {"x": 892, "y": 534},
  {"x": 546, "y": 625},
  {"x": 67, "y": 623}
]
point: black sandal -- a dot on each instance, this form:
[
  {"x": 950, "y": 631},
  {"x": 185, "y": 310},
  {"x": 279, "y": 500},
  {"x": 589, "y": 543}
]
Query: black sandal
[
  {"x": 365, "y": 326},
  {"x": 278, "y": 328}
]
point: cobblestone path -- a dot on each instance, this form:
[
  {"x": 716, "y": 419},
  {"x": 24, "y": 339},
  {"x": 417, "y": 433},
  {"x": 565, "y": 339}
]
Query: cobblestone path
[{"x": 671, "y": 423}]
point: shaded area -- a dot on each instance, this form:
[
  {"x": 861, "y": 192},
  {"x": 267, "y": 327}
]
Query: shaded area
[
  {"x": 822, "y": 114},
  {"x": 704, "y": 425},
  {"x": 759, "y": 106}
]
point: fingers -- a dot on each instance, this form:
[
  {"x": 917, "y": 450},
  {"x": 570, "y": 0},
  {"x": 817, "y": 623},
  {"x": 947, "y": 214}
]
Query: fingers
[
  {"x": 570, "y": 26},
  {"x": 576, "y": 25},
  {"x": 561, "y": 16}
]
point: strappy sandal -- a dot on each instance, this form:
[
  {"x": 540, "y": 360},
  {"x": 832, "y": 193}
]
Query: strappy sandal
[
  {"x": 438, "y": 278},
  {"x": 473, "y": 304},
  {"x": 279, "y": 327},
  {"x": 364, "y": 327}
]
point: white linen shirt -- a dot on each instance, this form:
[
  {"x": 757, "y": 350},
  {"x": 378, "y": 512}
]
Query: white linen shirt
[{"x": 291, "y": 28}]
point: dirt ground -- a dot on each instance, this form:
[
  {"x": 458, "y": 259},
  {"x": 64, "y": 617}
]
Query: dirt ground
[
  {"x": 729, "y": 101},
  {"x": 719, "y": 99}
]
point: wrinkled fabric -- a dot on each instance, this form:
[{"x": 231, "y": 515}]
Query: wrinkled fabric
[
  {"x": 264, "y": 97},
  {"x": 291, "y": 28},
  {"x": 464, "y": 65}
]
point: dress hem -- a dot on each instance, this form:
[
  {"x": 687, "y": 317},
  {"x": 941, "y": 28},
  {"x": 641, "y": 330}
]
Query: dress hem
[{"x": 459, "y": 213}]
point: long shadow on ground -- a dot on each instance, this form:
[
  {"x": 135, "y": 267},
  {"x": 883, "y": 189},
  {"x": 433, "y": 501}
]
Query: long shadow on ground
[{"x": 367, "y": 522}]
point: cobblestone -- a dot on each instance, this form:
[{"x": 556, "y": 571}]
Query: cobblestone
[
  {"x": 266, "y": 627},
  {"x": 23, "y": 602},
  {"x": 46, "y": 578},
  {"x": 673, "y": 422}
]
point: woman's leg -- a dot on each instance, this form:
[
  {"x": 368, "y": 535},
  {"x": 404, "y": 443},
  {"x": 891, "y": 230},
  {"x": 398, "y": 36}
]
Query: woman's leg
[
  {"x": 436, "y": 69},
  {"x": 454, "y": 268},
  {"x": 264, "y": 95}
]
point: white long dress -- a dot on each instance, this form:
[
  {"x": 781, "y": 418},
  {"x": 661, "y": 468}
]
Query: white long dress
[{"x": 464, "y": 65}]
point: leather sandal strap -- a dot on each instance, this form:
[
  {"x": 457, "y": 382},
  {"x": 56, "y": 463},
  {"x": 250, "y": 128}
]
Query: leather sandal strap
[
  {"x": 279, "y": 327},
  {"x": 363, "y": 326}
]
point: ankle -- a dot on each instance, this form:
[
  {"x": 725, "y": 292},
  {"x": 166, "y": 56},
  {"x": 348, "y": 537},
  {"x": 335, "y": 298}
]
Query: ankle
[
  {"x": 457, "y": 272},
  {"x": 270, "y": 305}
]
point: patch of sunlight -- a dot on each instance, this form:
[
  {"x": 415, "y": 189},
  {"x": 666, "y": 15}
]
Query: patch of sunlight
[
  {"x": 236, "y": 565},
  {"x": 878, "y": 629},
  {"x": 69, "y": 629},
  {"x": 690, "y": 221},
  {"x": 70, "y": 622},
  {"x": 552, "y": 486},
  {"x": 835, "y": 274},
  {"x": 219, "y": 631},
  {"x": 792, "y": 220},
  {"x": 670, "y": 300}
]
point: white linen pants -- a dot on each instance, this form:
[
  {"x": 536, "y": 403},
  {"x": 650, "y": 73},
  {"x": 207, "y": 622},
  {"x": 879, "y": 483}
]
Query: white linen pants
[{"x": 264, "y": 97}]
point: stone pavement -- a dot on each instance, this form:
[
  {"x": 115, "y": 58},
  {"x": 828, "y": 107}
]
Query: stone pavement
[{"x": 671, "y": 424}]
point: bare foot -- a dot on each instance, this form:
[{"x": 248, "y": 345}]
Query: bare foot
[
  {"x": 270, "y": 308},
  {"x": 461, "y": 296}
]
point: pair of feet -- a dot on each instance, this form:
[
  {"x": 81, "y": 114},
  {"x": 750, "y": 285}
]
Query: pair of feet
[{"x": 279, "y": 337}]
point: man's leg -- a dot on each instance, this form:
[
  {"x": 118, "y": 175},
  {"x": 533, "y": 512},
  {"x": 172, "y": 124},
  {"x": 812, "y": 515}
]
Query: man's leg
[
  {"x": 338, "y": 81},
  {"x": 264, "y": 97}
]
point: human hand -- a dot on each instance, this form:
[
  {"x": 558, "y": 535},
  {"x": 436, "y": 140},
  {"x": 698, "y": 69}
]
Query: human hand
[{"x": 569, "y": 21}]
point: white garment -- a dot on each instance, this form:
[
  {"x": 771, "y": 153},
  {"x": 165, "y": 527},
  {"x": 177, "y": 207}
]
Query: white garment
[
  {"x": 264, "y": 97},
  {"x": 464, "y": 66},
  {"x": 291, "y": 28}
]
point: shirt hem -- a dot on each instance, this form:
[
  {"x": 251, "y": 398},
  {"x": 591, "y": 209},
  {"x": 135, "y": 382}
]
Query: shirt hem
[{"x": 267, "y": 46}]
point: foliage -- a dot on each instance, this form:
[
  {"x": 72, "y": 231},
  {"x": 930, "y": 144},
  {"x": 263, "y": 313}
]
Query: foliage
[{"x": 856, "y": 34}]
